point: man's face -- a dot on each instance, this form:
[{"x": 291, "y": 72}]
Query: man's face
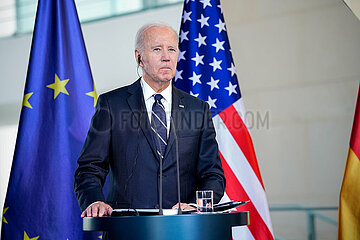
[{"x": 160, "y": 55}]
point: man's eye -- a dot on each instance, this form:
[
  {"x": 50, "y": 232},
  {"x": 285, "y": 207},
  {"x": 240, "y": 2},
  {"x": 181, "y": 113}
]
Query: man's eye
[{"x": 156, "y": 49}]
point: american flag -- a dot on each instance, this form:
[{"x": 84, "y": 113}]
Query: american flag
[{"x": 206, "y": 70}]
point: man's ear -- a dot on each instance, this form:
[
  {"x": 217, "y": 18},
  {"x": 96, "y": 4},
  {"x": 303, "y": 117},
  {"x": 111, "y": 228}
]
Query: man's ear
[{"x": 138, "y": 58}]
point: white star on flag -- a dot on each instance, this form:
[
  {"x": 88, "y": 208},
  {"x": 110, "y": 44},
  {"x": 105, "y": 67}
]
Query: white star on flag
[
  {"x": 195, "y": 78},
  {"x": 220, "y": 26},
  {"x": 216, "y": 64},
  {"x": 194, "y": 94},
  {"x": 178, "y": 75},
  {"x": 181, "y": 55},
  {"x": 218, "y": 45},
  {"x": 232, "y": 69},
  {"x": 231, "y": 88},
  {"x": 206, "y": 3},
  {"x": 198, "y": 59},
  {"x": 186, "y": 16},
  {"x": 200, "y": 40},
  {"x": 211, "y": 102},
  {"x": 213, "y": 83},
  {"x": 219, "y": 6},
  {"x": 203, "y": 20},
  {"x": 183, "y": 35}
]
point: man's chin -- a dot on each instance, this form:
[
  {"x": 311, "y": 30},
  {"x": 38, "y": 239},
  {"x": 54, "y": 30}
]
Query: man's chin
[
  {"x": 165, "y": 79},
  {"x": 166, "y": 76}
]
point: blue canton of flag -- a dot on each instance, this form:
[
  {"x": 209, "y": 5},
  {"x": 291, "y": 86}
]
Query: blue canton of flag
[
  {"x": 59, "y": 100},
  {"x": 205, "y": 56}
]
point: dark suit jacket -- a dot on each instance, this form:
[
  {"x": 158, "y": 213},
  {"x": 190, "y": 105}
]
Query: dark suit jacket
[{"x": 120, "y": 141}]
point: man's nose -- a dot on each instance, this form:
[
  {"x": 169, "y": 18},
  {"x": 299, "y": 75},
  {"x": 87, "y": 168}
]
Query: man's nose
[{"x": 165, "y": 57}]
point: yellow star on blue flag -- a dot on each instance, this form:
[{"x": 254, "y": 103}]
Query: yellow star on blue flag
[
  {"x": 26, "y": 100},
  {"x": 58, "y": 86},
  {"x": 94, "y": 95},
  {"x": 3, "y": 217},
  {"x": 26, "y": 237}
]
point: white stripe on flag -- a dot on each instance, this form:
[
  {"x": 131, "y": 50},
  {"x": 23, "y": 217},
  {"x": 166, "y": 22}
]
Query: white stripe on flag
[
  {"x": 225, "y": 198},
  {"x": 240, "y": 232},
  {"x": 240, "y": 108},
  {"x": 242, "y": 170}
]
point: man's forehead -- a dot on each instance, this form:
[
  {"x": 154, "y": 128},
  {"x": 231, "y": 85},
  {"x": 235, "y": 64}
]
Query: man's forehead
[
  {"x": 161, "y": 39},
  {"x": 155, "y": 29}
]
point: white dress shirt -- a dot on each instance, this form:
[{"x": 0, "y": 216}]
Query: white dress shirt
[{"x": 149, "y": 93}]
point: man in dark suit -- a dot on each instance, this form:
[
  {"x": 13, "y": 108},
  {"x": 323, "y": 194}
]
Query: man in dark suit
[{"x": 137, "y": 126}]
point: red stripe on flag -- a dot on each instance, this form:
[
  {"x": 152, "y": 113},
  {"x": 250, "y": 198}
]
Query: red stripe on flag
[
  {"x": 240, "y": 133},
  {"x": 355, "y": 133},
  {"x": 235, "y": 191}
]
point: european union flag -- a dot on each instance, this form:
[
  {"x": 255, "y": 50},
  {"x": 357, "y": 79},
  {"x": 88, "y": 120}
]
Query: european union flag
[{"x": 58, "y": 103}]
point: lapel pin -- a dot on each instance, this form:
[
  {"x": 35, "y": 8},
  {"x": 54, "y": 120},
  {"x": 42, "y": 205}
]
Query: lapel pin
[{"x": 181, "y": 106}]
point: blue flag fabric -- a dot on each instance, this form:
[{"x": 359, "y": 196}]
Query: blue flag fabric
[
  {"x": 205, "y": 67},
  {"x": 59, "y": 100}
]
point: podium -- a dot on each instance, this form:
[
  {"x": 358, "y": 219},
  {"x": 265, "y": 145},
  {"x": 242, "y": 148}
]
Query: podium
[{"x": 176, "y": 227}]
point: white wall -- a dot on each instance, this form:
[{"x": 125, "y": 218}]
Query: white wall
[{"x": 297, "y": 61}]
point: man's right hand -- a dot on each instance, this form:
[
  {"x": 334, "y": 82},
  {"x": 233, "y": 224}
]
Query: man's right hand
[{"x": 97, "y": 209}]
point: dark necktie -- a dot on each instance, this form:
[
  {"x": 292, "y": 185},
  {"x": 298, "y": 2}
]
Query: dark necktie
[{"x": 158, "y": 124}]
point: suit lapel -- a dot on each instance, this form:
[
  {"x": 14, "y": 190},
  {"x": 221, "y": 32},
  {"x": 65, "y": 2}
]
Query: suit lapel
[
  {"x": 137, "y": 106},
  {"x": 176, "y": 108}
]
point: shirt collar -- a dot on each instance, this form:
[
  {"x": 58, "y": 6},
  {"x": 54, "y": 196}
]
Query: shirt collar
[{"x": 149, "y": 92}]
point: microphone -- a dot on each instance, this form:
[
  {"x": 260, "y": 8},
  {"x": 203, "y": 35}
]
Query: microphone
[
  {"x": 177, "y": 165},
  {"x": 161, "y": 168}
]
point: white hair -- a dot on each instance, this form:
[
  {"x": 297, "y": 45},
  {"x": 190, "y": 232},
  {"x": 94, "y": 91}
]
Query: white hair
[{"x": 140, "y": 35}]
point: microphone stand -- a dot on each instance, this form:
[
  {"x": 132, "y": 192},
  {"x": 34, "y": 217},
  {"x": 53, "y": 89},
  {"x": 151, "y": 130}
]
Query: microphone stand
[{"x": 161, "y": 169}]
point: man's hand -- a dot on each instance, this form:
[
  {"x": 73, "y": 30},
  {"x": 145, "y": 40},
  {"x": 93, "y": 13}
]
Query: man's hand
[
  {"x": 184, "y": 206},
  {"x": 97, "y": 209}
]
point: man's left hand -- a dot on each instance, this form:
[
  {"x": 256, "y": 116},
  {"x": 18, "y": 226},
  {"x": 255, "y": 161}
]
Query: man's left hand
[{"x": 184, "y": 206}]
